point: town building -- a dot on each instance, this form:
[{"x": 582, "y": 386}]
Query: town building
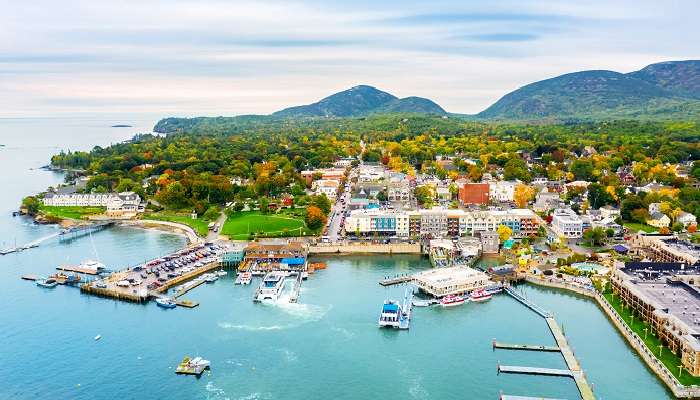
[
  {"x": 337, "y": 174},
  {"x": 566, "y": 223},
  {"x": 686, "y": 219},
  {"x": 271, "y": 255},
  {"x": 399, "y": 191},
  {"x": 371, "y": 172},
  {"x": 474, "y": 193},
  {"x": 502, "y": 191},
  {"x": 489, "y": 242},
  {"x": 545, "y": 201},
  {"x": 329, "y": 187},
  {"x": 658, "y": 220},
  {"x": 344, "y": 162},
  {"x": 440, "y": 282},
  {"x": 125, "y": 205}
]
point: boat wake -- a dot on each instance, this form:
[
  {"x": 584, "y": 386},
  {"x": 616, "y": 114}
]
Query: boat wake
[
  {"x": 251, "y": 328},
  {"x": 215, "y": 392},
  {"x": 306, "y": 312}
]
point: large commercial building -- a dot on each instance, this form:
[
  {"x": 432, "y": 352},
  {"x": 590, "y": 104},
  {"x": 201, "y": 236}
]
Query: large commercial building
[
  {"x": 439, "y": 222},
  {"x": 440, "y": 282},
  {"x": 666, "y": 296},
  {"x": 125, "y": 204},
  {"x": 665, "y": 248},
  {"x": 566, "y": 223},
  {"x": 474, "y": 193}
]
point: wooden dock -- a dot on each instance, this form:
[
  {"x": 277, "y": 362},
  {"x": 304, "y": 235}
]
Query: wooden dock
[
  {"x": 513, "y": 369},
  {"x": 70, "y": 268},
  {"x": 396, "y": 280},
  {"x": 526, "y": 347},
  {"x": 527, "y": 303},
  {"x": 571, "y": 362}
]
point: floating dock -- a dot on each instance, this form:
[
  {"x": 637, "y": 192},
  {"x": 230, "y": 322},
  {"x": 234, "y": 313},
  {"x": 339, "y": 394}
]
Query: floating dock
[
  {"x": 526, "y": 347},
  {"x": 513, "y": 369},
  {"x": 396, "y": 280},
  {"x": 297, "y": 288}
]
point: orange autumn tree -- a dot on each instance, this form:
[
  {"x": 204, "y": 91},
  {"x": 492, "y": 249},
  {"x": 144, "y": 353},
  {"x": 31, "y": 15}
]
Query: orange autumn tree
[
  {"x": 523, "y": 194},
  {"x": 315, "y": 217}
]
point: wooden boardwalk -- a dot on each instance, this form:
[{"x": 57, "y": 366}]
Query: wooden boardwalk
[
  {"x": 527, "y": 347},
  {"x": 571, "y": 362}
]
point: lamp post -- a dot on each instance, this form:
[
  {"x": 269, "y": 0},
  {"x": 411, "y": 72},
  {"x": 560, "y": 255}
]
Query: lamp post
[
  {"x": 646, "y": 331},
  {"x": 680, "y": 371},
  {"x": 661, "y": 347}
]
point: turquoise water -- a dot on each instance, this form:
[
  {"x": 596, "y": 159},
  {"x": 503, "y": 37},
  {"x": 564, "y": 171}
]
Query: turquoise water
[{"x": 327, "y": 346}]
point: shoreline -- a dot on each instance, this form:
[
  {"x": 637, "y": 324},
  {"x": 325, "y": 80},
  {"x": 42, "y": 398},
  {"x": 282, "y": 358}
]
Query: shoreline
[
  {"x": 656, "y": 366},
  {"x": 164, "y": 226}
]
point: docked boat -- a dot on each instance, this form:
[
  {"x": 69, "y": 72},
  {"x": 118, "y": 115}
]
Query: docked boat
[
  {"x": 271, "y": 286},
  {"x": 92, "y": 265},
  {"x": 193, "y": 366},
  {"x": 390, "y": 315},
  {"x": 480, "y": 295},
  {"x": 210, "y": 278},
  {"x": 47, "y": 283},
  {"x": 451, "y": 301},
  {"x": 166, "y": 302},
  {"x": 422, "y": 303},
  {"x": 244, "y": 278},
  {"x": 221, "y": 272},
  {"x": 494, "y": 289}
]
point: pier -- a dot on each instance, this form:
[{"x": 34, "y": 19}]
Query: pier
[
  {"x": 512, "y": 369},
  {"x": 82, "y": 230},
  {"x": 526, "y": 347},
  {"x": 574, "y": 368},
  {"x": 396, "y": 280},
  {"x": 534, "y": 307},
  {"x": 297, "y": 288}
]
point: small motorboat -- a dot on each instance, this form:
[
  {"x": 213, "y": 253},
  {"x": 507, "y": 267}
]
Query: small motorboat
[
  {"x": 47, "y": 283},
  {"x": 422, "y": 303},
  {"x": 166, "y": 302},
  {"x": 193, "y": 366},
  {"x": 246, "y": 278},
  {"x": 98, "y": 337},
  {"x": 221, "y": 272},
  {"x": 480, "y": 295},
  {"x": 451, "y": 301},
  {"x": 210, "y": 278}
]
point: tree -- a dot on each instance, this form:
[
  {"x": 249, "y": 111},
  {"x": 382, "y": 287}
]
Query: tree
[
  {"x": 504, "y": 232},
  {"x": 582, "y": 170},
  {"x": 322, "y": 202},
  {"x": 264, "y": 205},
  {"x": 516, "y": 168},
  {"x": 594, "y": 236},
  {"x": 382, "y": 195},
  {"x": 174, "y": 196},
  {"x": 315, "y": 218},
  {"x": 523, "y": 194},
  {"x": 31, "y": 204},
  {"x": 598, "y": 196},
  {"x": 211, "y": 214}
]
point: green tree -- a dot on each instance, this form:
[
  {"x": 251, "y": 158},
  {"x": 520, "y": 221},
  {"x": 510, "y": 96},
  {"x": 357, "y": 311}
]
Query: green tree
[{"x": 31, "y": 204}]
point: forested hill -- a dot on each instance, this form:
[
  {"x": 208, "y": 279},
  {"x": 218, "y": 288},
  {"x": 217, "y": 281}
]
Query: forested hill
[{"x": 668, "y": 90}]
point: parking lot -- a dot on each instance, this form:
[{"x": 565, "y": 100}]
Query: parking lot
[{"x": 152, "y": 275}]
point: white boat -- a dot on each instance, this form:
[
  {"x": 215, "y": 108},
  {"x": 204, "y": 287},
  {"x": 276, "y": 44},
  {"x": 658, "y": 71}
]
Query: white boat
[
  {"x": 165, "y": 302},
  {"x": 98, "y": 337},
  {"x": 210, "y": 278},
  {"x": 271, "y": 286},
  {"x": 193, "y": 366},
  {"x": 92, "y": 265},
  {"x": 480, "y": 295},
  {"x": 123, "y": 283},
  {"x": 221, "y": 272},
  {"x": 244, "y": 279},
  {"x": 390, "y": 315},
  {"x": 451, "y": 301},
  {"x": 422, "y": 303}
]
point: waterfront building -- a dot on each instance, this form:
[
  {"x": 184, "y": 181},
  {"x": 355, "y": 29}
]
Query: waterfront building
[
  {"x": 232, "y": 256},
  {"x": 489, "y": 242},
  {"x": 125, "y": 205},
  {"x": 567, "y": 223},
  {"x": 440, "y": 282},
  {"x": 666, "y": 296},
  {"x": 665, "y": 248},
  {"x": 474, "y": 193},
  {"x": 273, "y": 255},
  {"x": 117, "y": 204}
]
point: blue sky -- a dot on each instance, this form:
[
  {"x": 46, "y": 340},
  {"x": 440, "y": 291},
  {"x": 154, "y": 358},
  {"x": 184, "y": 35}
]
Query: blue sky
[{"x": 175, "y": 57}]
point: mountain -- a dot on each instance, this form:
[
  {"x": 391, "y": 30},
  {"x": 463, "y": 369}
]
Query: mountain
[
  {"x": 360, "y": 101},
  {"x": 664, "y": 90}
]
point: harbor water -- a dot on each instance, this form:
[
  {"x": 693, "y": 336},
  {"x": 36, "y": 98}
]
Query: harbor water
[{"x": 326, "y": 346}]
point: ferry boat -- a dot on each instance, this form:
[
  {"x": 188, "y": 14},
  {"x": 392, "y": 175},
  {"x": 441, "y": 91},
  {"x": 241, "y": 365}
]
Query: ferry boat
[
  {"x": 47, "y": 283},
  {"x": 451, "y": 301},
  {"x": 391, "y": 314},
  {"x": 480, "y": 295},
  {"x": 271, "y": 286},
  {"x": 165, "y": 302}
]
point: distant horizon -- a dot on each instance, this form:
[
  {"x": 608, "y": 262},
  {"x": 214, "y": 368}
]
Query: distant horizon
[{"x": 217, "y": 59}]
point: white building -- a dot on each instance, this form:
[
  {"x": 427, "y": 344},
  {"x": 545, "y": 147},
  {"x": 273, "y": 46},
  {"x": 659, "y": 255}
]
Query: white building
[
  {"x": 126, "y": 204},
  {"x": 371, "y": 173},
  {"x": 567, "y": 223},
  {"x": 440, "y": 282},
  {"x": 546, "y": 201},
  {"x": 343, "y": 162},
  {"x": 686, "y": 219},
  {"x": 502, "y": 191},
  {"x": 329, "y": 187},
  {"x": 79, "y": 200}
]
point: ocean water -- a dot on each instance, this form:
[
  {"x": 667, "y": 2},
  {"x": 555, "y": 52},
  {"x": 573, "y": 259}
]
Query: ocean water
[{"x": 327, "y": 346}]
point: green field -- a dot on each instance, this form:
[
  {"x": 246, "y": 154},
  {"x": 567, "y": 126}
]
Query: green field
[
  {"x": 200, "y": 225},
  {"x": 640, "y": 227},
  {"x": 241, "y": 225},
  {"x": 71, "y": 211}
]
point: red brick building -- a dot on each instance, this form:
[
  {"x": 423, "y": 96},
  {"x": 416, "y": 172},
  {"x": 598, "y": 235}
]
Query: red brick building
[{"x": 474, "y": 193}]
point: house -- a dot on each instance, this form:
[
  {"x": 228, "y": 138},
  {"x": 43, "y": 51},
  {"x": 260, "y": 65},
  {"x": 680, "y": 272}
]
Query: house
[
  {"x": 474, "y": 193},
  {"x": 654, "y": 208},
  {"x": 609, "y": 212},
  {"x": 344, "y": 162},
  {"x": 546, "y": 201},
  {"x": 608, "y": 223},
  {"x": 686, "y": 219},
  {"x": 588, "y": 151},
  {"x": 443, "y": 193},
  {"x": 125, "y": 205},
  {"x": 659, "y": 220},
  {"x": 653, "y": 187},
  {"x": 567, "y": 223}
]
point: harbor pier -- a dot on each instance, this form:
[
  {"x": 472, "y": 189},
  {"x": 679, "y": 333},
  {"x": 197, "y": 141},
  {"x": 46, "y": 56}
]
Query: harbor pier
[{"x": 526, "y": 347}]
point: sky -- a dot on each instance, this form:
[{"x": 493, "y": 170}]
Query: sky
[{"x": 190, "y": 58}]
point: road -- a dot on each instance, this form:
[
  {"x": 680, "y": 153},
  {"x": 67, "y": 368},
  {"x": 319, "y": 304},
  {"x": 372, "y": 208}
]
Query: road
[
  {"x": 214, "y": 234},
  {"x": 338, "y": 210}
]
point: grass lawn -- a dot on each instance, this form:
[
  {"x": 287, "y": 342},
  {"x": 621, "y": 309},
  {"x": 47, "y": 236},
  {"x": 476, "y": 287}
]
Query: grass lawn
[
  {"x": 240, "y": 225},
  {"x": 670, "y": 360},
  {"x": 640, "y": 227},
  {"x": 71, "y": 212},
  {"x": 200, "y": 225}
]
